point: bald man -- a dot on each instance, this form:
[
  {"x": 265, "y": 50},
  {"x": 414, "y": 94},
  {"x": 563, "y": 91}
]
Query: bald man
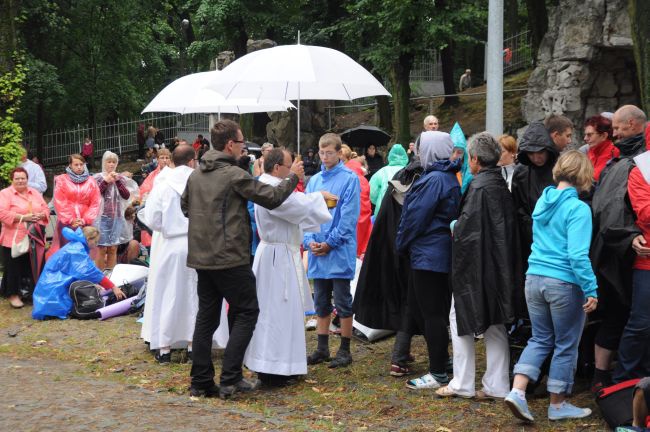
[
  {"x": 619, "y": 254},
  {"x": 430, "y": 123}
]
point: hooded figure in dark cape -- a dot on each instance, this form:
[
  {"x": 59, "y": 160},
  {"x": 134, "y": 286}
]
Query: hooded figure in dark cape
[
  {"x": 380, "y": 296},
  {"x": 528, "y": 182}
]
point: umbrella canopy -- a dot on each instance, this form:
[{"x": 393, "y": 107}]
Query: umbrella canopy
[
  {"x": 188, "y": 94},
  {"x": 295, "y": 72},
  {"x": 363, "y": 136}
]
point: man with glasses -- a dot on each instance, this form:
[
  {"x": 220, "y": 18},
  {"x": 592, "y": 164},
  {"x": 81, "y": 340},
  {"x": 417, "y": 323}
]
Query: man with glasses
[
  {"x": 215, "y": 202},
  {"x": 332, "y": 251}
]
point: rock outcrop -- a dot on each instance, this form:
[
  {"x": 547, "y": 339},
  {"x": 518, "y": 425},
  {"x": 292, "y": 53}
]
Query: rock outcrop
[{"x": 585, "y": 63}]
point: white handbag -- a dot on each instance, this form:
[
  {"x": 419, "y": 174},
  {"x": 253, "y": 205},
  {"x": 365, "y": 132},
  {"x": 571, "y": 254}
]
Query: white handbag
[{"x": 22, "y": 247}]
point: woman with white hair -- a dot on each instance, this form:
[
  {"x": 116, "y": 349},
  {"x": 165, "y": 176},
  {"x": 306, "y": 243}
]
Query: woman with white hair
[
  {"x": 424, "y": 235},
  {"x": 111, "y": 222},
  {"x": 258, "y": 166}
]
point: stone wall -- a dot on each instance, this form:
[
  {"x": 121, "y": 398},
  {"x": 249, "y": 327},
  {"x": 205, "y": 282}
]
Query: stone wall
[{"x": 585, "y": 63}]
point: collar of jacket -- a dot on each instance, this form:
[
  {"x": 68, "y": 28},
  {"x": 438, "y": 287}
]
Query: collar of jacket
[
  {"x": 330, "y": 172},
  {"x": 599, "y": 148},
  {"x": 445, "y": 165},
  {"x": 631, "y": 146},
  {"x": 214, "y": 159}
]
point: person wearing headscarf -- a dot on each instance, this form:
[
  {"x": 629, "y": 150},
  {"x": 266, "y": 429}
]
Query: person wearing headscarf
[
  {"x": 111, "y": 222},
  {"x": 397, "y": 159},
  {"x": 424, "y": 235}
]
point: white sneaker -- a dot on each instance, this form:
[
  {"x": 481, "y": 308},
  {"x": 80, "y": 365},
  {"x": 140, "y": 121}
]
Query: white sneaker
[
  {"x": 311, "y": 324},
  {"x": 424, "y": 382}
]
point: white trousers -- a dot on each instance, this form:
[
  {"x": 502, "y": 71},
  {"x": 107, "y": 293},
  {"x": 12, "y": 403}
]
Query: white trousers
[{"x": 496, "y": 381}]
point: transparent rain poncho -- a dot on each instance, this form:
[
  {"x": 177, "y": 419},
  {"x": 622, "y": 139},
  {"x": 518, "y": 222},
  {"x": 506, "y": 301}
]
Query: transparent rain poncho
[{"x": 111, "y": 222}]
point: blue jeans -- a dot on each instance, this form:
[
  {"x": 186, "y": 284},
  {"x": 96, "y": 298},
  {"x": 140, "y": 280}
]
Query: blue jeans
[
  {"x": 634, "y": 349},
  {"x": 323, "y": 289},
  {"x": 557, "y": 318}
]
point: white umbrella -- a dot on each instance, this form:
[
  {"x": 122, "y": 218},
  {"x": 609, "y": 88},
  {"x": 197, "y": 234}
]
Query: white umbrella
[
  {"x": 188, "y": 94},
  {"x": 292, "y": 72}
]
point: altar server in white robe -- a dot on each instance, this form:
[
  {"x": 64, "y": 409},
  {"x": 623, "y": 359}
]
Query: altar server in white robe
[{"x": 278, "y": 345}]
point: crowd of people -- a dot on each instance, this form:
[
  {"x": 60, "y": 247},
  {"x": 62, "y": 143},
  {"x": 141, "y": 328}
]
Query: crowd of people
[{"x": 456, "y": 238}]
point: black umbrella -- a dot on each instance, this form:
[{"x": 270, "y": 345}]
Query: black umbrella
[{"x": 363, "y": 136}]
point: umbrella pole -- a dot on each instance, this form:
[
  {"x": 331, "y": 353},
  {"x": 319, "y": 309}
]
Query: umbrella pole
[{"x": 298, "y": 122}]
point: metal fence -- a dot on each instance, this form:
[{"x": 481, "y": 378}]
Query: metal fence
[
  {"x": 119, "y": 137},
  {"x": 517, "y": 52},
  {"x": 427, "y": 68}
]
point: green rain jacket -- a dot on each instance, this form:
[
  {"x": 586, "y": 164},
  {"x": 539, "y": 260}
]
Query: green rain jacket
[{"x": 397, "y": 159}]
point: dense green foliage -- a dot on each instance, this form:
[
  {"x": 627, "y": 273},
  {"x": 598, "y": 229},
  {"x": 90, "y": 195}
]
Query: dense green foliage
[{"x": 12, "y": 83}]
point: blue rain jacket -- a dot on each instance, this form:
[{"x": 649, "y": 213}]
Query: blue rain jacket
[
  {"x": 429, "y": 207},
  {"x": 458, "y": 137},
  {"x": 69, "y": 264},
  {"x": 341, "y": 232}
]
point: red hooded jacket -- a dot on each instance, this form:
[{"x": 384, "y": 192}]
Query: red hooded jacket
[{"x": 364, "y": 226}]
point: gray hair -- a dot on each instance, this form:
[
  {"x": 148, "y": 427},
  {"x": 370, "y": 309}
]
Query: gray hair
[
  {"x": 276, "y": 156},
  {"x": 266, "y": 145},
  {"x": 485, "y": 148}
]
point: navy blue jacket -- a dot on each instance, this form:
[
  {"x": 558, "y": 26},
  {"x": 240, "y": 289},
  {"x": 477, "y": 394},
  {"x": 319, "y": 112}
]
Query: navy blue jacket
[{"x": 429, "y": 207}]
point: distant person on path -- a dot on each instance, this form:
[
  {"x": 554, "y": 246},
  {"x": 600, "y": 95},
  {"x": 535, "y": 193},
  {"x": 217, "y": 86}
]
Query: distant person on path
[
  {"x": 35, "y": 175},
  {"x": 311, "y": 164},
  {"x": 560, "y": 289},
  {"x": 484, "y": 239},
  {"x": 332, "y": 251},
  {"x": 87, "y": 151},
  {"x": 219, "y": 250},
  {"x": 465, "y": 80},
  {"x": 141, "y": 140},
  {"x": 278, "y": 349},
  {"x": 374, "y": 159},
  {"x": 151, "y": 137},
  {"x": 424, "y": 235},
  {"x": 397, "y": 159}
]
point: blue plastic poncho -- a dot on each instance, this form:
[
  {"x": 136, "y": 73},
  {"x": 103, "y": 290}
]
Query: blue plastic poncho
[
  {"x": 69, "y": 264},
  {"x": 458, "y": 137}
]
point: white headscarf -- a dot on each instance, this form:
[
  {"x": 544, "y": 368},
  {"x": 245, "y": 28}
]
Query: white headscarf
[{"x": 434, "y": 146}]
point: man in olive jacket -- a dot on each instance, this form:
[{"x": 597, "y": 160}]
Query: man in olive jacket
[{"x": 215, "y": 201}]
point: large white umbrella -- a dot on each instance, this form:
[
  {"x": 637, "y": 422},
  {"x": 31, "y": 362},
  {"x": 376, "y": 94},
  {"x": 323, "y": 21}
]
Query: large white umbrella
[
  {"x": 189, "y": 94},
  {"x": 294, "y": 72}
]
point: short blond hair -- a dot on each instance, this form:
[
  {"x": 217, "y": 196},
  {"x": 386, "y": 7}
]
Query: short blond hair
[
  {"x": 574, "y": 167},
  {"x": 330, "y": 139},
  {"x": 90, "y": 232},
  {"x": 509, "y": 143}
]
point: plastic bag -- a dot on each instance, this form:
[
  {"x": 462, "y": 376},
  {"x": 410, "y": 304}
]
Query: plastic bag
[{"x": 71, "y": 263}]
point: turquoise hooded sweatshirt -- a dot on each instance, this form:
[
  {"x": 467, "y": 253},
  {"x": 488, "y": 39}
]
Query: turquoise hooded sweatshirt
[
  {"x": 397, "y": 159},
  {"x": 561, "y": 239}
]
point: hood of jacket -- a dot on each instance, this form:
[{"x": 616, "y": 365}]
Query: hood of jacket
[
  {"x": 397, "y": 156},
  {"x": 177, "y": 178},
  {"x": 550, "y": 201},
  {"x": 75, "y": 236},
  {"x": 536, "y": 138},
  {"x": 215, "y": 159},
  {"x": 330, "y": 172},
  {"x": 355, "y": 166},
  {"x": 445, "y": 165},
  {"x": 434, "y": 146}
]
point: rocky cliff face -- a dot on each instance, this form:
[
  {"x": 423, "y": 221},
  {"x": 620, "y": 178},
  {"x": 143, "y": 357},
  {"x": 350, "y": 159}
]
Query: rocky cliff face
[{"x": 585, "y": 63}]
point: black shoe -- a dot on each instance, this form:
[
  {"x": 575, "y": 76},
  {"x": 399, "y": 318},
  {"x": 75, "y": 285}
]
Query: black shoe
[
  {"x": 342, "y": 359},
  {"x": 243, "y": 386},
  {"x": 318, "y": 356},
  {"x": 163, "y": 358},
  {"x": 211, "y": 392}
]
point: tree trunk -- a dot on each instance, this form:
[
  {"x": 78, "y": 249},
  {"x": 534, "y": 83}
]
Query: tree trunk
[
  {"x": 383, "y": 109},
  {"x": 400, "y": 74},
  {"x": 537, "y": 23},
  {"x": 8, "y": 35},
  {"x": 639, "y": 17},
  {"x": 511, "y": 17},
  {"x": 448, "y": 79}
]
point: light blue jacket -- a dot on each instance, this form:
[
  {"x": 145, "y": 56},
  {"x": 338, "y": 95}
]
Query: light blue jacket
[
  {"x": 561, "y": 239},
  {"x": 341, "y": 232}
]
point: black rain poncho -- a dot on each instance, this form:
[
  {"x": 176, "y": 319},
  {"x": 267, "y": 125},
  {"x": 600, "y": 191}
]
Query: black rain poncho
[{"x": 486, "y": 256}]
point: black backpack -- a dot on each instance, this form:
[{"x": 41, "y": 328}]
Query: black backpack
[{"x": 86, "y": 300}]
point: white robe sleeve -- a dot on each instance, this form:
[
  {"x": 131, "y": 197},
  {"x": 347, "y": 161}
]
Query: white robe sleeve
[
  {"x": 307, "y": 210},
  {"x": 153, "y": 210}
]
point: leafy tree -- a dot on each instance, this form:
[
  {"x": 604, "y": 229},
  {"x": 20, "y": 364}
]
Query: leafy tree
[{"x": 639, "y": 16}]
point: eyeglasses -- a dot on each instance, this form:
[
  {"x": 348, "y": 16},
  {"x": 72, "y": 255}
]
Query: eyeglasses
[
  {"x": 590, "y": 134},
  {"x": 328, "y": 154},
  {"x": 239, "y": 142}
]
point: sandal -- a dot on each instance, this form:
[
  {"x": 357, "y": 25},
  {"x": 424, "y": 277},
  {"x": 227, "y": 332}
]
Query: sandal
[{"x": 447, "y": 392}]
